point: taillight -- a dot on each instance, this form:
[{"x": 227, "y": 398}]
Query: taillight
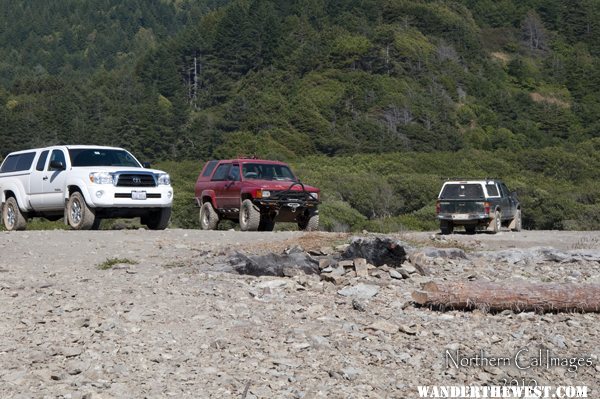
[
  {"x": 437, "y": 207},
  {"x": 486, "y": 207}
]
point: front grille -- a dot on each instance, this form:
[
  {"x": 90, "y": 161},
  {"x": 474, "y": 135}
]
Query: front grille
[
  {"x": 292, "y": 196},
  {"x": 136, "y": 180},
  {"x": 128, "y": 195}
]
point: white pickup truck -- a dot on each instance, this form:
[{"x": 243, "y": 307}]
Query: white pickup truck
[{"x": 83, "y": 185}]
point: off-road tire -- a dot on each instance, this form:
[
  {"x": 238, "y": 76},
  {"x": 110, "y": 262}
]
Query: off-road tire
[
  {"x": 158, "y": 220},
  {"x": 470, "y": 229},
  {"x": 266, "y": 223},
  {"x": 249, "y": 216},
  {"x": 79, "y": 215},
  {"x": 96, "y": 225},
  {"x": 12, "y": 217},
  {"x": 209, "y": 218},
  {"x": 309, "y": 221},
  {"x": 517, "y": 222},
  {"x": 497, "y": 222},
  {"x": 446, "y": 227}
]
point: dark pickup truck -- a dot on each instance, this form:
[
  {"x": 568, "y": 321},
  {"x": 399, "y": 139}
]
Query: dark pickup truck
[
  {"x": 255, "y": 192},
  {"x": 477, "y": 204}
]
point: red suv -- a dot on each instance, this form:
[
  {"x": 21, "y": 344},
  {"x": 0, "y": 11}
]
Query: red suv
[{"x": 257, "y": 193}]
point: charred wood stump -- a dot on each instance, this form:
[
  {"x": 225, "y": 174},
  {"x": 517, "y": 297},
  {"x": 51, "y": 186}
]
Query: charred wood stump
[{"x": 518, "y": 296}]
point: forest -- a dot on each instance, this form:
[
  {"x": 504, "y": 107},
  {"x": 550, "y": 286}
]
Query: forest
[{"x": 375, "y": 101}]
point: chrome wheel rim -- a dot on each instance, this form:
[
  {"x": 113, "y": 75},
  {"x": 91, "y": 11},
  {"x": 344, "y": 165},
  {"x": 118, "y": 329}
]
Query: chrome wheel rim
[
  {"x": 76, "y": 212},
  {"x": 205, "y": 217},
  {"x": 10, "y": 216},
  {"x": 245, "y": 215}
]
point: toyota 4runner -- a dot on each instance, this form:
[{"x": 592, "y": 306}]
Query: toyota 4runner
[{"x": 257, "y": 193}]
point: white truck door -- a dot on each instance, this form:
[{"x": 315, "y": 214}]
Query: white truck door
[
  {"x": 36, "y": 182},
  {"x": 54, "y": 185}
]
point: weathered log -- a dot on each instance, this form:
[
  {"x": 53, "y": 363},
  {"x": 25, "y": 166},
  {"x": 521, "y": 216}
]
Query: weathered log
[{"x": 510, "y": 295}]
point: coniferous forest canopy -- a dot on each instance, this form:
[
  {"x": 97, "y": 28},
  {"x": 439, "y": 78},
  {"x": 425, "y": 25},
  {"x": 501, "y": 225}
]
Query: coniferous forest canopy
[{"x": 372, "y": 100}]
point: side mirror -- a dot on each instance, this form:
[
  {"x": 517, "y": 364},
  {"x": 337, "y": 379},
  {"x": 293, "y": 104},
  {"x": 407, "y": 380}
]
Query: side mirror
[
  {"x": 57, "y": 165},
  {"x": 146, "y": 165}
]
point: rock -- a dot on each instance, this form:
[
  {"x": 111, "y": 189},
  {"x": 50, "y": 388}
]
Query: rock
[
  {"x": 334, "y": 278},
  {"x": 361, "y": 268},
  {"x": 359, "y": 305},
  {"x": 274, "y": 265},
  {"x": 395, "y": 274},
  {"x": 377, "y": 251},
  {"x": 361, "y": 290},
  {"x": 325, "y": 263},
  {"x": 410, "y": 269},
  {"x": 351, "y": 373},
  {"x": 346, "y": 263},
  {"x": 445, "y": 253},
  {"x": 420, "y": 262},
  {"x": 408, "y": 329},
  {"x": 385, "y": 326}
]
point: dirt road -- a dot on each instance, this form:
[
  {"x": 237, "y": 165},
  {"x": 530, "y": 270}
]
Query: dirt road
[{"x": 169, "y": 320}]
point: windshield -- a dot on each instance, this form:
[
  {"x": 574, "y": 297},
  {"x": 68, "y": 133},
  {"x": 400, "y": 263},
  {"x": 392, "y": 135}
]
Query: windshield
[
  {"x": 261, "y": 171},
  {"x": 462, "y": 191},
  {"x": 101, "y": 157}
]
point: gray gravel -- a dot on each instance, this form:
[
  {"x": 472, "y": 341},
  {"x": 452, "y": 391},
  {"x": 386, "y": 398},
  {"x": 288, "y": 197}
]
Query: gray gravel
[{"x": 176, "y": 321}]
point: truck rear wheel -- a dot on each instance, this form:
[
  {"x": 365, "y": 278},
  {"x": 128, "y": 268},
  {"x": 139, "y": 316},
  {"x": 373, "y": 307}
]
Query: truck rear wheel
[
  {"x": 12, "y": 216},
  {"x": 158, "y": 220},
  {"x": 249, "y": 216},
  {"x": 446, "y": 227},
  {"x": 267, "y": 223},
  {"x": 209, "y": 219},
  {"x": 309, "y": 221},
  {"x": 79, "y": 215},
  {"x": 470, "y": 229},
  {"x": 497, "y": 222},
  {"x": 517, "y": 223}
]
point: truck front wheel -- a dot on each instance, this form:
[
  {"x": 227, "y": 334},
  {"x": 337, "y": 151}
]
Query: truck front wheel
[
  {"x": 209, "y": 219},
  {"x": 249, "y": 216},
  {"x": 12, "y": 217},
  {"x": 79, "y": 215},
  {"x": 309, "y": 221},
  {"x": 158, "y": 220}
]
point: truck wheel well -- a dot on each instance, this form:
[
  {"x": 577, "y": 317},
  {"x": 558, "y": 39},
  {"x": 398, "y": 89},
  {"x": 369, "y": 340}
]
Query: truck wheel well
[
  {"x": 9, "y": 194},
  {"x": 206, "y": 198},
  {"x": 246, "y": 196},
  {"x": 73, "y": 189}
]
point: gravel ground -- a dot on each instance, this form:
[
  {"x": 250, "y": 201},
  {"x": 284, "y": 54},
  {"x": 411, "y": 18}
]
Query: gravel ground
[{"x": 170, "y": 319}]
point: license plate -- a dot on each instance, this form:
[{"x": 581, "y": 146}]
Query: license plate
[
  {"x": 460, "y": 216},
  {"x": 138, "y": 195}
]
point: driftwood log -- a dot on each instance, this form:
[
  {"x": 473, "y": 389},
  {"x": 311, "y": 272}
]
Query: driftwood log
[{"x": 510, "y": 295}]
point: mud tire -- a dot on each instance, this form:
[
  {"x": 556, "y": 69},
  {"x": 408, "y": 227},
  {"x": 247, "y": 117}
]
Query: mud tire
[
  {"x": 12, "y": 217},
  {"x": 79, "y": 215},
  {"x": 209, "y": 219},
  {"x": 249, "y": 216}
]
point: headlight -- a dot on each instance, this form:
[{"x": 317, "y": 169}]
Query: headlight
[
  {"x": 102, "y": 178},
  {"x": 164, "y": 179},
  {"x": 263, "y": 193},
  {"x": 315, "y": 196}
]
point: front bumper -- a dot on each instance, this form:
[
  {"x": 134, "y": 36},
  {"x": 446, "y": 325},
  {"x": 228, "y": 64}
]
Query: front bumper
[{"x": 108, "y": 196}]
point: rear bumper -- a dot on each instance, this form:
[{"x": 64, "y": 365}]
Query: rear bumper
[{"x": 465, "y": 219}]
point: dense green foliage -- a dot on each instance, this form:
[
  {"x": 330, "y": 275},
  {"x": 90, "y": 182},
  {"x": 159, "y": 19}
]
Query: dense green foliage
[{"x": 373, "y": 100}]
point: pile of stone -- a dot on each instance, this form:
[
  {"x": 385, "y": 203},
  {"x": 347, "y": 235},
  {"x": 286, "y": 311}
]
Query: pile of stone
[{"x": 363, "y": 258}]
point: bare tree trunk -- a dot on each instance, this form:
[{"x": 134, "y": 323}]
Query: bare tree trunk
[{"x": 511, "y": 295}]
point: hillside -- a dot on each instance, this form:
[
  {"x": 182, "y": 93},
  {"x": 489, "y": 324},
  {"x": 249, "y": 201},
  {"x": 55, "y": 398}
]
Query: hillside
[{"x": 189, "y": 80}]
